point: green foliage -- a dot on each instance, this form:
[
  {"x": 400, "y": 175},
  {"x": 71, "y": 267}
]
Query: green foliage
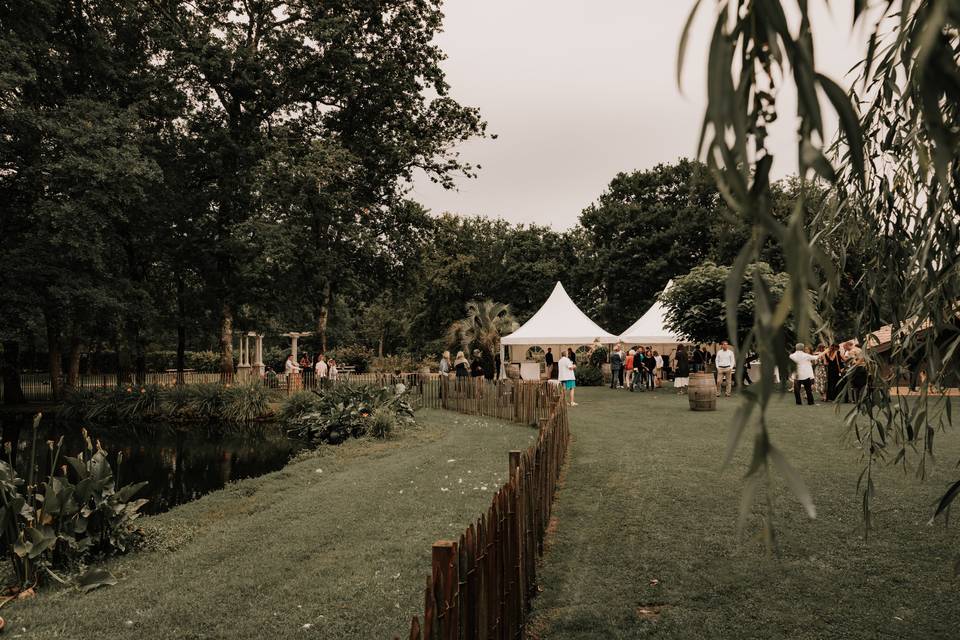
[
  {"x": 893, "y": 171},
  {"x": 695, "y": 306},
  {"x": 120, "y": 406},
  {"x": 64, "y": 521},
  {"x": 485, "y": 323},
  {"x": 297, "y": 404},
  {"x": 588, "y": 375},
  {"x": 599, "y": 356},
  {"x": 355, "y": 355},
  {"x": 351, "y": 411}
]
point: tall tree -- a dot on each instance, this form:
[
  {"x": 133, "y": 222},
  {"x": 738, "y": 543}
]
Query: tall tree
[{"x": 350, "y": 72}]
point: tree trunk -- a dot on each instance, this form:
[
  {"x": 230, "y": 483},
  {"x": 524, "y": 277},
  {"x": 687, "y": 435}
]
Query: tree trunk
[
  {"x": 383, "y": 336},
  {"x": 226, "y": 343},
  {"x": 73, "y": 363},
  {"x": 55, "y": 359},
  {"x": 323, "y": 315},
  {"x": 123, "y": 360},
  {"x": 10, "y": 373},
  {"x": 181, "y": 330}
]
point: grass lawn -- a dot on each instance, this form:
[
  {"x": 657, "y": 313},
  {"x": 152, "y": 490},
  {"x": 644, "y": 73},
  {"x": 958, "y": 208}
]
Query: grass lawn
[
  {"x": 339, "y": 542},
  {"x": 647, "y": 519}
]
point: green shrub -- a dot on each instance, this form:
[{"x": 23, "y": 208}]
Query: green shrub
[
  {"x": 598, "y": 356},
  {"x": 355, "y": 355},
  {"x": 60, "y": 523},
  {"x": 208, "y": 401},
  {"x": 349, "y": 411},
  {"x": 205, "y": 361},
  {"x": 298, "y": 404},
  {"x": 588, "y": 376}
]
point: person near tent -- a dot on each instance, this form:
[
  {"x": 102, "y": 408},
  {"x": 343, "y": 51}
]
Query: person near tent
[
  {"x": 566, "y": 374},
  {"x": 682, "y": 377},
  {"x": 628, "y": 369},
  {"x": 650, "y": 362},
  {"x": 666, "y": 365},
  {"x": 697, "y": 360},
  {"x": 658, "y": 369},
  {"x": 549, "y": 364},
  {"x": 725, "y": 364},
  {"x": 616, "y": 367}
]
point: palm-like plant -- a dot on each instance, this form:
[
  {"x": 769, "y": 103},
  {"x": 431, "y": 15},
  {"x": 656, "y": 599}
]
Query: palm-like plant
[{"x": 485, "y": 322}]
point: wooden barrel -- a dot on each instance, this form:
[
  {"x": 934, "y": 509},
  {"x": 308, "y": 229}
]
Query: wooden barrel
[{"x": 702, "y": 392}]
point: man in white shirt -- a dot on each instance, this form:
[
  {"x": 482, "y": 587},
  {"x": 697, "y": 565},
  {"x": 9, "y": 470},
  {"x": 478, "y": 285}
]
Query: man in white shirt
[
  {"x": 566, "y": 376},
  {"x": 804, "y": 362},
  {"x": 725, "y": 361},
  {"x": 291, "y": 365}
]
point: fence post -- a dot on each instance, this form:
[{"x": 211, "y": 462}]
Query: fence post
[{"x": 445, "y": 564}]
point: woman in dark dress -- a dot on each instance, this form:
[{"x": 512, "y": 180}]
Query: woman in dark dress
[
  {"x": 834, "y": 364},
  {"x": 682, "y": 377}
]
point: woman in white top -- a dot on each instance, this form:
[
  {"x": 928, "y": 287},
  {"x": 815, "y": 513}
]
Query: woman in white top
[
  {"x": 567, "y": 377},
  {"x": 658, "y": 369},
  {"x": 332, "y": 372}
]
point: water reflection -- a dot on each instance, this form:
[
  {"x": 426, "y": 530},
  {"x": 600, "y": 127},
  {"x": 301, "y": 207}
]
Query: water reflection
[{"x": 179, "y": 465}]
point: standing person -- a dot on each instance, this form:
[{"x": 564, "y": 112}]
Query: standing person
[
  {"x": 834, "y": 364},
  {"x": 461, "y": 369},
  {"x": 651, "y": 365},
  {"x": 290, "y": 366},
  {"x": 658, "y": 369},
  {"x": 697, "y": 359},
  {"x": 445, "y": 367},
  {"x": 567, "y": 376},
  {"x": 548, "y": 361},
  {"x": 572, "y": 355},
  {"x": 804, "y": 377},
  {"x": 321, "y": 369},
  {"x": 616, "y": 367},
  {"x": 751, "y": 358},
  {"x": 628, "y": 369},
  {"x": 497, "y": 365},
  {"x": 639, "y": 371},
  {"x": 476, "y": 367},
  {"x": 725, "y": 362},
  {"x": 332, "y": 373},
  {"x": 666, "y": 366},
  {"x": 820, "y": 372},
  {"x": 682, "y": 378}
]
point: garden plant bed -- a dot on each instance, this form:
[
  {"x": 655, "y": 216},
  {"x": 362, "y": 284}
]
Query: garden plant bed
[{"x": 335, "y": 545}]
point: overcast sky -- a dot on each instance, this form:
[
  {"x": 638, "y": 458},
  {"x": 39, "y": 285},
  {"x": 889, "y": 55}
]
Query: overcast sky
[{"x": 578, "y": 90}]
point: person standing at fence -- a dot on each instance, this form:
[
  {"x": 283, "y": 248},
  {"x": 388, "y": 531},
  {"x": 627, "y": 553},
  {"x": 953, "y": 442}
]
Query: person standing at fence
[
  {"x": 332, "y": 373},
  {"x": 725, "y": 362},
  {"x": 321, "y": 369},
  {"x": 567, "y": 376},
  {"x": 291, "y": 366},
  {"x": 445, "y": 367}
]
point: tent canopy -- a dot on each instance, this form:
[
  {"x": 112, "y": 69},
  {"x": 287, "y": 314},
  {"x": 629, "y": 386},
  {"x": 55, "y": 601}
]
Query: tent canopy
[
  {"x": 559, "y": 321},
  {"x": 650, "y": 329}
]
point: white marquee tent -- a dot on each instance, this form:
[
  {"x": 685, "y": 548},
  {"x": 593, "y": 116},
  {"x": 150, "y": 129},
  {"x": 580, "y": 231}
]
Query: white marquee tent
[
  {"x": 650, "y": 328},
  {"x": 559, "y": 322}
]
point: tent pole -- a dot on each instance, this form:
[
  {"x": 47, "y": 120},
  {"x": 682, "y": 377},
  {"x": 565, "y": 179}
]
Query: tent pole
[{"x": 503, "y": 366}]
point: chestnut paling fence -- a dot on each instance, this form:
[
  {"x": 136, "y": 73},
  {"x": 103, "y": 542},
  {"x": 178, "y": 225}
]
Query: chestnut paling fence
[{"x": 480, "y": 586}]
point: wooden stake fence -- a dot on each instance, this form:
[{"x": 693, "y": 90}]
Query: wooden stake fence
[{"x": 481, "y": 585}]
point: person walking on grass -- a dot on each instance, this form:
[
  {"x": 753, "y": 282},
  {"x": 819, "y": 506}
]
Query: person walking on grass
[
  {"x": 725, "y": 362},
  {"x": 628, "y": 369},
  {"x": 567, "y": 376},
  {"x": 804, "y": 378}
]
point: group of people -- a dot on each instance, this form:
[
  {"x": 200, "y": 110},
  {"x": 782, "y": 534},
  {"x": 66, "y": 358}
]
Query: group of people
[
  {"x": 322, "y": 367},
  {"x": 461, "y": 367},
  {"x": 823, "y": 370},
  {"x": 641, "y": 368}
]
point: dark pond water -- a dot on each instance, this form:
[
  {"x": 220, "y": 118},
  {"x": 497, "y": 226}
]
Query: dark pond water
[{"x": 180, "y": 465}]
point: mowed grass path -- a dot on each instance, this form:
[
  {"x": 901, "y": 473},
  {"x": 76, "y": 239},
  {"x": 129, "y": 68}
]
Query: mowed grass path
[
  {"x": 339, "y": 542},
  {"x": 647, "y": 518}
]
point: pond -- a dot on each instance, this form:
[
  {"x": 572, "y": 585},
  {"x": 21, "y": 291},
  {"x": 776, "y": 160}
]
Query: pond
[{"x": 180, "y": 464}]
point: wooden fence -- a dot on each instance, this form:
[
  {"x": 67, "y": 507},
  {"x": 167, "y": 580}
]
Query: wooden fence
[{"x": 481, "y": 585}]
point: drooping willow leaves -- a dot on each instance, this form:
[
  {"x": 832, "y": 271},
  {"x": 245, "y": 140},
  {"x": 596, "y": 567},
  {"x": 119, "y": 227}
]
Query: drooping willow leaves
[{"x": 893, "y": 167}]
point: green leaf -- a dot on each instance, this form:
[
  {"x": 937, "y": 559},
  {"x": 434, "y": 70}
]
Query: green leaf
[
  {"x": 849, "y": 122},
  {"x": 946, "y": 500},
  {"x": 94, "y": 578},
  {"x": 681, "y": 54},
  {"x": 794, "y": 481}
]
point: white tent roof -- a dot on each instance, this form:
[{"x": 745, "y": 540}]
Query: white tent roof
[
  {"x": 650, "y": 327},
  {"x": 559, "y": 321}
]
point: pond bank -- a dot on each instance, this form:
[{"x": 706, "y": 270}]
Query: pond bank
[{"x": 335, "y": 545}]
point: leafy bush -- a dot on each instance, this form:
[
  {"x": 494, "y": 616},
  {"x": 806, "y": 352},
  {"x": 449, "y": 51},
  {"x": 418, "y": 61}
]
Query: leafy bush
[
  {"x": 62, "y": 522},
  {"x": 206, "y": 361},
  {"x": 351, "y": 411},
  {"x": 208, "y": 401},
  {"x": 299, "y": 403},
  {"x": 588, "y": 376},
  {"x": 598, "y": 356},
  {"x": 355, "y": 355},
  {"x": 404, "y": 362}
]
